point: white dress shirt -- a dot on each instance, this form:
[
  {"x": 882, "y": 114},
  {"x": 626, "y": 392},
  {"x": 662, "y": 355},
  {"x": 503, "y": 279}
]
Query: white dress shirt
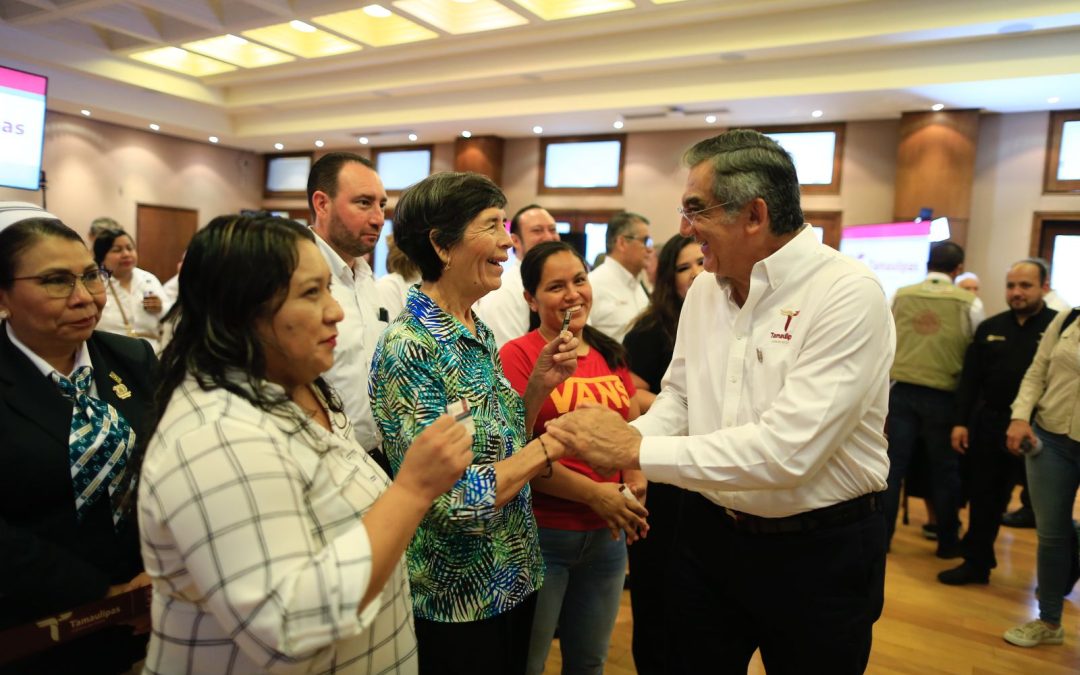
[
  {"x": 251, "y": 531},
  {"x": 504, "y": 310},
  {"x": 358, "y": 333},
  {"x": 777, "y": 407},
  {"x": 392, "y": 290},
  {"x": 617, "y": 299},
  {"x": 142, "y": 321}
]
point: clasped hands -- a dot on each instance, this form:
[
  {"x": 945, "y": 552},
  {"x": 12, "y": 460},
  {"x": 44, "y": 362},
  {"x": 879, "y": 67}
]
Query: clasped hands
[{"x": 598, "y": 436}]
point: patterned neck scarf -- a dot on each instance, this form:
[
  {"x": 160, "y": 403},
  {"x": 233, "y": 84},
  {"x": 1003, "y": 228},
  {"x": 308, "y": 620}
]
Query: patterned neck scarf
[{"x": 99, "y": 445}]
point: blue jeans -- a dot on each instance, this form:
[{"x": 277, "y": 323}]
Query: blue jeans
[
  {"x": 1053, "y": 478},
  {"x": 581, "y": 593}
]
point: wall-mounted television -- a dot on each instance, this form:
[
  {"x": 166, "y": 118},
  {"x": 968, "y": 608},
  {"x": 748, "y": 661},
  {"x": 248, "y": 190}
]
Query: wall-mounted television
[
  {"x": 287, "y": 175},
  {"x": 22, "y": 128}
]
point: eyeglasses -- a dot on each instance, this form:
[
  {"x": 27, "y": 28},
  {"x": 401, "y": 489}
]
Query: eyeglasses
[
  {"x": 647, "y": 241},
  {"x": 690, "y": 214},
  {"x": 62, "y": 284}
]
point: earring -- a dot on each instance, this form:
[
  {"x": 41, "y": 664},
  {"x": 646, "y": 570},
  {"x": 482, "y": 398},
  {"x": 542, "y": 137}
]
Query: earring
[{"x": 447, "y": 265}]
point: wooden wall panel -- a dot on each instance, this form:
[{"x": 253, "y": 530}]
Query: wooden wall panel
[
  {"x": 935, "y": 166},
  {"x": 482, "y": 154}
]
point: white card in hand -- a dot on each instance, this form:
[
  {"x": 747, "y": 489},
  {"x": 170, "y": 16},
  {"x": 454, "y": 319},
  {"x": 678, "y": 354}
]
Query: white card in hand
[{"x": 461, "y": 412}]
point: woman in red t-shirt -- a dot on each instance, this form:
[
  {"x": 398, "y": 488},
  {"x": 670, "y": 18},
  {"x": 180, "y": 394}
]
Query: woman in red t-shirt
[{"x": 585, "y": 519}]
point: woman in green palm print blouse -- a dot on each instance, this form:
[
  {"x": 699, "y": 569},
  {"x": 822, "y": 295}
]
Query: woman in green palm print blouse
[{"x": 475, "y": 563}]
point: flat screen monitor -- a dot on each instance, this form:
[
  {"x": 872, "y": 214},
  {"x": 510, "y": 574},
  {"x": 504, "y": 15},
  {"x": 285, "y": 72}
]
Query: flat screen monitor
[
  {"x": 895, "y": 252},
  {"x": 22, "y": 128},
  {"x": 286, "y": 175}
]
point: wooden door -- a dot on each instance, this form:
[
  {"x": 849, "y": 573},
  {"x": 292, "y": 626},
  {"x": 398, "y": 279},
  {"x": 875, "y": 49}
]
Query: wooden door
[{"x": 162, "y": 234}]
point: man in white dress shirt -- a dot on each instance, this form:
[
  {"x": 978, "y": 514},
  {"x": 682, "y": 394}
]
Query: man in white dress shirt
[
  {"x": 504, "y": 310},
  {"x": 773, "y": 410},
  {"x": 618, "y": 296},
  {"x": 348, "y": 204}
]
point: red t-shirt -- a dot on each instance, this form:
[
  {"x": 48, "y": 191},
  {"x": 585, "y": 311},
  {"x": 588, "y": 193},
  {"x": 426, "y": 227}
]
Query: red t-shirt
[{"x": 592, "y": 381}]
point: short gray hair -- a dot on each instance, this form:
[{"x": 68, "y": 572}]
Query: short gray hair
[
  {"x": 619, "y": 226},
  {"x": 748, "y": 164}
]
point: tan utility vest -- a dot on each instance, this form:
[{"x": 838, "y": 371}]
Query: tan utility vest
[{"x": 933, "y": 329}]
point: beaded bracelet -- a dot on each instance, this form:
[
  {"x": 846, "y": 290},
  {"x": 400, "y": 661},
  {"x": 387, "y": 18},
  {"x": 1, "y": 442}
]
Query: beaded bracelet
[{"x": 547, "y": 457}]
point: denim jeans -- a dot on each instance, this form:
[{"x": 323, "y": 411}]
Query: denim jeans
[
  {"x": 1053, "y": 478},
  {"x": 923, "y": 415},
  {"x": 581, "y": 593}
]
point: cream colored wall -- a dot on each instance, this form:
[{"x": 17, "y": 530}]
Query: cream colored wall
[
  {"x": 654, "y": 177},
  {"x": 1009, "y": 166},
  {"x": 98, "y": 169}
]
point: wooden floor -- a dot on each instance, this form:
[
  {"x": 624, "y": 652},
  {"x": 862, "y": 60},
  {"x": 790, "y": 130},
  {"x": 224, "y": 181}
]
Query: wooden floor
[{"x": 929, "y": 628}]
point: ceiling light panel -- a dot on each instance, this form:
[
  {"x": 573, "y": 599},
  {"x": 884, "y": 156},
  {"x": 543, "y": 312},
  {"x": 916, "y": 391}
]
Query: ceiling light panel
[
  {"x": 182, "y": 61},
  {"x": 458, "y": 18},
  {"x": 238, "y": 51},
  {"x": 357, "y": 24},
  {"x": 552, "y": 10},
  {"x": 310, "y": 44}
]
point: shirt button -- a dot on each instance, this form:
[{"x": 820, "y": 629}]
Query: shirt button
[
  {"x": 739, "y": 337},
  {"x": 734, "y": 379}
]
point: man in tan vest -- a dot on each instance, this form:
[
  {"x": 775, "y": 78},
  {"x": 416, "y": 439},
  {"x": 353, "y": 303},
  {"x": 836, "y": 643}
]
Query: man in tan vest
[{"x": 935, "y": 321}]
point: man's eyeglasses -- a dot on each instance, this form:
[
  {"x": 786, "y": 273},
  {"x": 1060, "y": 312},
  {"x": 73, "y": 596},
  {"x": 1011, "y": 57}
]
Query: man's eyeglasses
[
  {"x": 62, "y": 284},
  {"x": 690, "y": 214},
  {"x": 647, "y": 241}
]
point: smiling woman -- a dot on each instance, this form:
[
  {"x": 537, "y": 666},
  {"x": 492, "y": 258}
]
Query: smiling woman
[{"x": 475, "y": 563}]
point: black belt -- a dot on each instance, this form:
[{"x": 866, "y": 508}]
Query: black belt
[{"x": 837, "y": 515}]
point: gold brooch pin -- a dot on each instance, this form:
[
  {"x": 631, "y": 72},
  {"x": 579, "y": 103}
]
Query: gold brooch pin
[{"x": 121, "y": 390}]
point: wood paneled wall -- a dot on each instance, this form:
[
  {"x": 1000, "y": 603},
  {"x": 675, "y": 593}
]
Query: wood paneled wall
[{"x": 935, "y": 166}]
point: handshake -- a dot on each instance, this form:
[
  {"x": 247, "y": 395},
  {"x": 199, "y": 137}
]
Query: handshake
[{"x": 598, "y": 436}]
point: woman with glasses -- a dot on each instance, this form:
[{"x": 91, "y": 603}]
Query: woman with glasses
[
  {"x": 75, "y": 405},
  {"x": 136, "y": 299}
]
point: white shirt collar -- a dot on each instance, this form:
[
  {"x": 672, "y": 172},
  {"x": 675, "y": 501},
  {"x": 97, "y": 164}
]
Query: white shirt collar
[
  {"x": 338, "y": 267},
  {"x": 82, "y": 357},
  {"x": 621, "y": 271}
]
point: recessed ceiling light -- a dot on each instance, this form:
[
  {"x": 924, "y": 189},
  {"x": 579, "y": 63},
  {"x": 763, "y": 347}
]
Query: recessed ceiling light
[
  {"x": 85, "y": 112},
  {"x": 816, "y": 114},
  {"x": 301, "y": 26},
  {"x": 710, "y": 119},
  {"x": 466, "y": 134},
  {"x": 937, "y": 106},
  {"x": 279, "y": 146},
  {"x": 412, "y": 137},
  {"x": 319, "y": 144},
  {"x": 618, "y": 124},
  {"x": 213, "y": 139},
  {"x": 1054, "y": 99},
  {"x": 363, "y": 140},
  {"x": 377, "y": 11},
  {"x": 154, "y": 127},
  {"x": 538, "y": 129}
]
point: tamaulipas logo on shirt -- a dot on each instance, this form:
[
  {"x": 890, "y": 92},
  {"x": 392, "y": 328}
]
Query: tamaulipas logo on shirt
[{"x": 784, "y": 335}]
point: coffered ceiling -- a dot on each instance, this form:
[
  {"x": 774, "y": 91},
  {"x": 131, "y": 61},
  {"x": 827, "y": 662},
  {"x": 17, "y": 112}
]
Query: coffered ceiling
[{"x": 259, "y": 72}]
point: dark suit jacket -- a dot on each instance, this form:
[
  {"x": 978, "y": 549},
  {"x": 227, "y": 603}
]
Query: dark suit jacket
[{"x": 49, "y": 562}]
